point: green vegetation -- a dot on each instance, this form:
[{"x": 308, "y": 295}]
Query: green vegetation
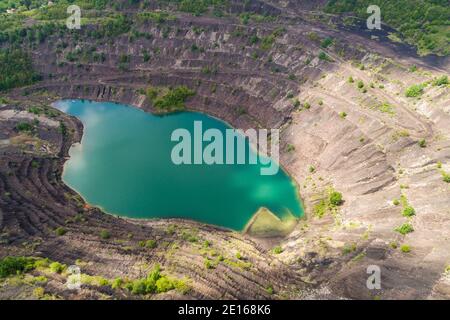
[
  {"x": 151, "y": 244},
  {"x": 422, "y": 23},
  {"x": 173, "y": 99},
  {"x": 405, "y": 229},
  {"x": 326, "y": 42},
  {"x": 277, "y": 250},
  {"x": 155, "y": 282},
  {"x": 386, "y": 108},
  {"x": 268, "y": 41},
  {"x": 415, "y": 90},
  {"x": 60, "y": 231},
  {"x": 15, "y": 265},
  {"x": 422, "y": 143},
  {"x": 405, "y": 248},
  {"x": 441, "y": 81},
  {"x": 408, "y": 211},
  {"x": 446, "y": 177},
  {"x": 323, "y": 56},
  {"x": 336, "y": 198},
  {"x": 15, "y": 69},
  {"x": 105, "y": 234},
  {"x": 329, "y": 204},
  {"x": 57, "y": 267}
]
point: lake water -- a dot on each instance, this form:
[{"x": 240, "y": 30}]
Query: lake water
[{"x": 123, "y": 165}]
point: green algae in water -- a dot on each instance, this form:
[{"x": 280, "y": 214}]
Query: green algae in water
[{"x": 124, "y": 166}]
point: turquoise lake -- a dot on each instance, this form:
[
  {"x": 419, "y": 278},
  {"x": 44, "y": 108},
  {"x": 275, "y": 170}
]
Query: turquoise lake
[{"x": 123, "y": 165}]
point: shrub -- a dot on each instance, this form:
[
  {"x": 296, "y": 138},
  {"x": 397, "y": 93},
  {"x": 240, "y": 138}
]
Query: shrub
[
  {"x": 405, "y": 248},
  {"x": 239, "y": 256},
  {"x": 311, "y": 169},
  {"x": 441, "y": 81},
  {"x": 164, "y": 284},
  {"x": 151, "y": 244},
  {"x": 342, "y": 114},
  {"x": 404, "y": 229},
  {"x": 60, "y": 231},
  {"x": 323, "y": 56},
  {"x": 422, "y": 143},
  {"x": 269, "y": 289},
  {"x": 408, "y": 211},
  {"x": 57, "y": 267},
  {"x": 117, "y": 283},
  {"x": 15, "y": 265},
  {"x": 326, "y": 42},
  {"x": 290, "y": 148},
  {"x": 105, "y": 234},
  {"x": 306, "y": 105},
  {"x": 446, "y": 177},
  {"x": 277, "y": 250},
  {"x": 350, "y": 79},
  {"x": 415, "y": 91},
  {"x": 360, "y": 84},
  {"x": 24, "y": 127},
  {"x": 336, "y": 198},
  {"x": 396, "y": 202}
]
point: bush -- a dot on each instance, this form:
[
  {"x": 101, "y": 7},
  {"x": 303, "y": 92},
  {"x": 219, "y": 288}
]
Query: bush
[
  {"x": 105, "y": 234},
  {"x": 415, "y": 91},
  {"x": 405, "y": 248},
  {"x": 323, "y": 56},
  {"x": 277, "y": 250},
  {"x": 408, "y": 211},
  {"x": 422, "y": 143},
  {"x": 446, "y": 177},
  {"x": 342, "y": 114},
  {"x": 441, "y": 81},
  {"x": 57, "y": 267},
  {"x": 396, "y": 202},
  {"x": 151, "y": 244},
  {"x": 405, "y": 229},
  {"x": 60, "y": 231},
  {"x": 336, "y": 198},
  {"x": 24, "y": 127},
  {"x": 360, "y": 84},
  {"x": 15, "y": 265}
]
